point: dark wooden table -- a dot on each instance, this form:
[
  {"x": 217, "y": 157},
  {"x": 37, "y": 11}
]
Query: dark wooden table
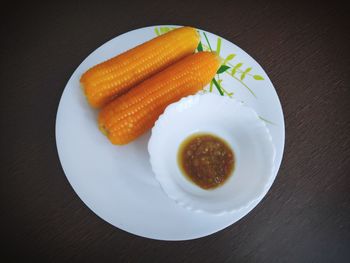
[{"x": 304, "y": 48}]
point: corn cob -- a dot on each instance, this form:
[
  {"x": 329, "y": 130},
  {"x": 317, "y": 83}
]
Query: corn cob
[
  {"x": 129, "y": 116},
  {"x": 115, "y": 76}
]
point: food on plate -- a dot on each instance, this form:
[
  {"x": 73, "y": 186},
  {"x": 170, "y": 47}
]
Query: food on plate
[
  {"x": 129, "y": 116},
  {"x": 114, "y": 77},
  {"x": 206, "y": 160}
]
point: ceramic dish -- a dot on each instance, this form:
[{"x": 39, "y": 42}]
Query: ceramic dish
[
  {"x": 117, "y": 182},
  {"x": 231, "y": 120}
]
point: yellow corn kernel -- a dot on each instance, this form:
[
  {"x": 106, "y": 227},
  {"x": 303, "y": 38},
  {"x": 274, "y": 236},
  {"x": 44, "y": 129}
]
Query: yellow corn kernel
[
  {"x": 114, "y": 77},
  {"x": 129, "y": 116}
]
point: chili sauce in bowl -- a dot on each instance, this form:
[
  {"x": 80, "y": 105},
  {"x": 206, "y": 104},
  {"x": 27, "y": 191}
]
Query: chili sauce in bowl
[{"x": 206, "y": 160}]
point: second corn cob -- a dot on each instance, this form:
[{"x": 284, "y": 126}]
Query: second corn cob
[
  {"x": 107, "y": 80},
  {"x": 132, "y": 114}
]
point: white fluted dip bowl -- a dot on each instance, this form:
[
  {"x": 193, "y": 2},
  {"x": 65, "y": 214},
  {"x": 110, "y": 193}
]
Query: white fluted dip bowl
[{"x": 229, "y": 119}]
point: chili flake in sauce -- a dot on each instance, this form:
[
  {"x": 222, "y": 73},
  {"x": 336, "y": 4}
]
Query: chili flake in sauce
[{"x": 206, "y": 160}]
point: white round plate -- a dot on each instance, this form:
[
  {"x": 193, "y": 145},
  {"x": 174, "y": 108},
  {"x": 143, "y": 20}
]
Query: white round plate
[{"x": 116, "y": 182}]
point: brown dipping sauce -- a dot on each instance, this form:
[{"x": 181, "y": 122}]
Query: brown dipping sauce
[{"x": 206, "y": 160}]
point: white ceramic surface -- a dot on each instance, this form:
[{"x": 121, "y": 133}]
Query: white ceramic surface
[
  {"x": 116, "y": 182},
  {"x": 230, "y": 120}
]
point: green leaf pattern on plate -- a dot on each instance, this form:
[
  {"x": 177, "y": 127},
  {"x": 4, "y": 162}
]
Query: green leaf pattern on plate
[
  {"x": 228, "y": 58},
  {"x": 245, "y": 73},
  {"x": 235, "y": 68},
  {"x": 222, "y": 69},
  {"x": 218, "y": 46},
  {"x": 258, "y": 77},
  {"x": 236, "y": 72},
  {"x": 200, "y": 47}
]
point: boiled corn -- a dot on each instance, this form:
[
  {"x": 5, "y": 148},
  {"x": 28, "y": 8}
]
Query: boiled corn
[
  {"x": 108, "y": 80},
  {"x": 129, "y": 116}
]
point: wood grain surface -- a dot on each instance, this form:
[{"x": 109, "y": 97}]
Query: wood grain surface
[{"x": 304, "y": 48}]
